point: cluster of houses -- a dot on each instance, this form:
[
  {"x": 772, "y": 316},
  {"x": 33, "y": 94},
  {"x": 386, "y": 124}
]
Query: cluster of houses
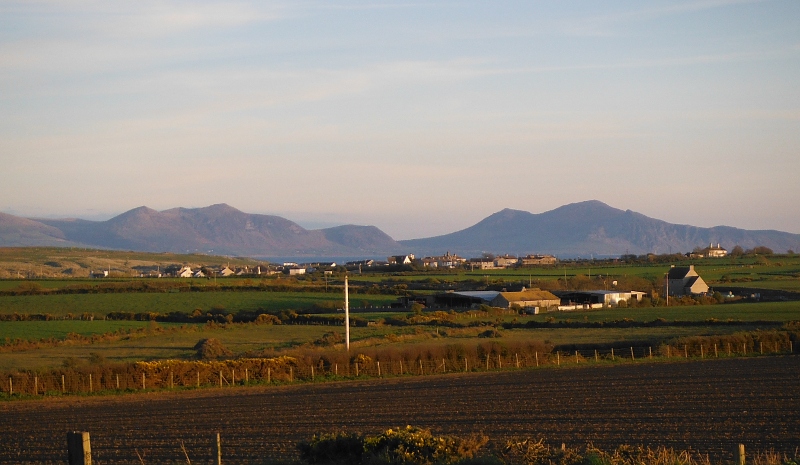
[{"x": 449, "y": 260}]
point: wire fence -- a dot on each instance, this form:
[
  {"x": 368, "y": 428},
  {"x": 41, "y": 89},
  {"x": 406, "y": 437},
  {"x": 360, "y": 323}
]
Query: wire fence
[{"x": 174, "y": 375}]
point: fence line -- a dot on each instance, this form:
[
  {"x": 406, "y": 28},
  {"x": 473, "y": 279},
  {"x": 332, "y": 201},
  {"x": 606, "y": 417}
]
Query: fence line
[{"x": 185, "y": 375}]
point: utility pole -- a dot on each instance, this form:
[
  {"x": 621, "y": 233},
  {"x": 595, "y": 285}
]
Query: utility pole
[{"x": 346, "y": 314}]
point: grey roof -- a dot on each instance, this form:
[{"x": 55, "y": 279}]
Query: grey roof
[{"x": 483, "y": 295}]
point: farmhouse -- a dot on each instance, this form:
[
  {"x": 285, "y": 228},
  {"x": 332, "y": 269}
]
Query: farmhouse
[
  {"x": 532, "y": 260},
  {"x": 684, "y": 280}
]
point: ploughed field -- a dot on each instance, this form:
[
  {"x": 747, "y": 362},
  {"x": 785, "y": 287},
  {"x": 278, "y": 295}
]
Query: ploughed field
[{"x": 709, "y": 407}]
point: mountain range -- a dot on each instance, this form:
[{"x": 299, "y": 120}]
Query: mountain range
[{"x": 574, "y": 230}]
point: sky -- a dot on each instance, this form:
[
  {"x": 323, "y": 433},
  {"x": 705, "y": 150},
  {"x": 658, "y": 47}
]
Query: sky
[{"x": 418, "y": 118}]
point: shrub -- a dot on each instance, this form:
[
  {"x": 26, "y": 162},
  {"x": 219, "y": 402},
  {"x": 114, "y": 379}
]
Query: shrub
[
  {"x": 211, "y": 348},
  {"x": 401, "y": 446}
]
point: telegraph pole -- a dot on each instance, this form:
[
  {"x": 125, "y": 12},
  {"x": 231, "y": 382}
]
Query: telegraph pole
[{"x": 346, "y": 314}]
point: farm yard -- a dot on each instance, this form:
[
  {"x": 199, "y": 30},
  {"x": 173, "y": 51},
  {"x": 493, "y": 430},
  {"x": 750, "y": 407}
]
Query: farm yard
[{"x": 708, "y": 407}]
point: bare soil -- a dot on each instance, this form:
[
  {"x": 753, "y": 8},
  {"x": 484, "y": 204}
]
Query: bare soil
[{"x": 709, "y": 407}]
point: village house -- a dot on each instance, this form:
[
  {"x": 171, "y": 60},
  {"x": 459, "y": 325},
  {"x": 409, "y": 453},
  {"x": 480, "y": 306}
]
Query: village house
[
  {"x": 481, "y": 264},
  {"x": 447, "y": 260},
  {"x": 505, "y": 261},
  {"x": 709, "y": 252},
  {"x": 532, "y": 260},
  {"x": 401, "y": 259}
]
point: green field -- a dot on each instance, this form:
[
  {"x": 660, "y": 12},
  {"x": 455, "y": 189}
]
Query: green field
[
  {"x": 59, "y": 329},
  {"x": 231, "y": 302}
]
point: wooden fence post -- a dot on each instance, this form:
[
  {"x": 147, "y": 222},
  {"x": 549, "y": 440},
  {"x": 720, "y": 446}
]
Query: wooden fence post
[
  {"x": 596, "y": 357},
  {"x": 246, "y": 376},
  {"x": 421, "y": 370},
  {"x": 702, "y": 352},
  {"x": 35, "y": 385},
  {"x": 516, "y": 356},
  {"x": 10, "y": 387},
  {"x": 90, "y": 383},
  {"x": 63, "y": 385},
  {"x": 219, "y": 450},
  {"x": 632, "y": 357},
  {"x": 576, "y": 356},
  {"x": 379, "y": 369},
  {"x": 716, "y": 354},
  {"x": 558, "y": 357},
  {"x": 612, "y": 354},
  {"x": 761, "y": 348},
  {"x": 312, "y": 371},
  {"x": 499, "y": 362},
  {"x": 269, "y": 375},
  {"x": 537, "y": 358},
  {"x": 291, "y": 374},
  {"x": 466, "y": 365},
  {"x": 740, "y": 458},
  {"x": 79, "y": 449},
  {"x": 198, "y": 378},
  {"x": 651, "y": 352},
  {"x": 685, "y": 351},
  {"x": 171, "y": 380},
  {"x": 144, "y": 383},
  {"x": 117, "y": 382}
]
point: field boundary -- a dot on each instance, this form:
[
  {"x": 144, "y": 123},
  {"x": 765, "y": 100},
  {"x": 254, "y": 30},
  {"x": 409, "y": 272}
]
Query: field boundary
[{"x": 175, "y": 375}]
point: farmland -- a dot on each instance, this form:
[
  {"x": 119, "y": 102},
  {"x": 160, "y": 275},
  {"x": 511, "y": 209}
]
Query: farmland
[{"x": 706, "y": 406}]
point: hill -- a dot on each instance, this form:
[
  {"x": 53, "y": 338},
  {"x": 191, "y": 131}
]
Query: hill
[
  {"x": 218, "y": 229},
  {"x": 591, "y": 228},
  {"x": 575, "y": 230}
]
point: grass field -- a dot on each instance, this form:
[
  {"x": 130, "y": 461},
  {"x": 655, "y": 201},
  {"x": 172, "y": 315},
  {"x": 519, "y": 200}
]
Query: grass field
[
  {"x": 232, "y": 302},
  {"x": 59, "y": 329}
]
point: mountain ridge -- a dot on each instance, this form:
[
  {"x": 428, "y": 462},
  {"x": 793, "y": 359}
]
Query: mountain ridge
[{"x": 573, "y": 230}]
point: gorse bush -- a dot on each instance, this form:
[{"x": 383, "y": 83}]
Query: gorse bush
[{"x": 400, "y": 446}]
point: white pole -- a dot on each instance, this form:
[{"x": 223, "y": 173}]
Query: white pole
[{"x": 346, "y": 314}]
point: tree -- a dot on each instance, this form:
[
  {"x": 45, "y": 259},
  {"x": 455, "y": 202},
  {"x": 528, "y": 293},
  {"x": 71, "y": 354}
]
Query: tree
[{"x": 737, "y": 251}]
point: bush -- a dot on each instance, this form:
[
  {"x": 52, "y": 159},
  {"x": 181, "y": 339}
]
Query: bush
[
  {"x": 401, "y": 446},
  {"x": 211, "y": 348}
]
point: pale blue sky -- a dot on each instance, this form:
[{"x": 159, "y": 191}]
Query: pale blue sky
[{"x": 419, "y": 118}]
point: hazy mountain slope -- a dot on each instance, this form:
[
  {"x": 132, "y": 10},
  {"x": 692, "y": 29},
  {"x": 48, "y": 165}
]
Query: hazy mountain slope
[
  {"x": 222, "y": 229},
  {"x": 23, "y": 232},
  {"x": 368, "y": 239},
  {"x": 579, "y": 229},
  {"x": 591, "y": 228}
]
